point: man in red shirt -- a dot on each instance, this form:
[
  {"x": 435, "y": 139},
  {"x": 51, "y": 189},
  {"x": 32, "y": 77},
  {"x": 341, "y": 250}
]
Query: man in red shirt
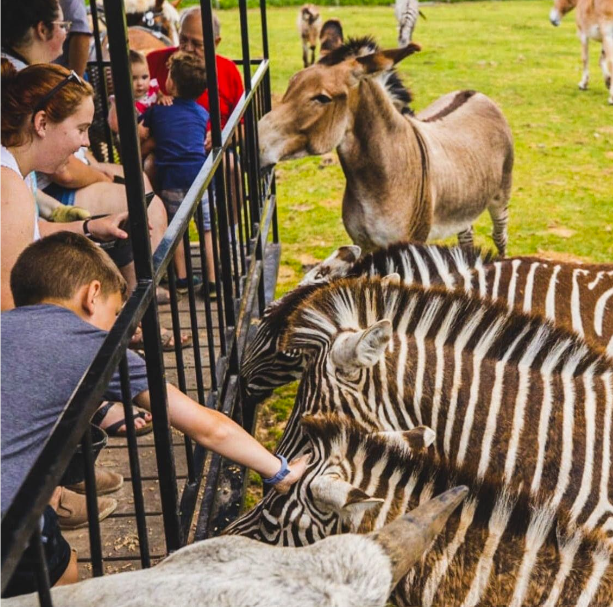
[{"x": 191, "y": 41}]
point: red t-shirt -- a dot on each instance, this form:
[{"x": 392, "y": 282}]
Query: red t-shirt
[{"x": 229, "y": 81}]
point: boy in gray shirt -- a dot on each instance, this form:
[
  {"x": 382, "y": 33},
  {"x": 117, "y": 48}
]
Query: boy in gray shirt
[{"x": 68, "y": 293}]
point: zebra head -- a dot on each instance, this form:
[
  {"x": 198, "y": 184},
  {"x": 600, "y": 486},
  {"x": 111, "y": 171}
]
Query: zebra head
[
  {"x": 337, "y": 265},
  {"x": 335, "y": 495}
]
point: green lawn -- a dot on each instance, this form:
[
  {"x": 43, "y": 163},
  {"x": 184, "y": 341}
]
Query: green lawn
[
  {"x": 562, "y": 201},
  {"x": 562, "y": 197}
]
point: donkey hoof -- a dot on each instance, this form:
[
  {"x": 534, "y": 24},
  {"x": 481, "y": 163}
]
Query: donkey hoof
[{"x": 583, "y": 86}]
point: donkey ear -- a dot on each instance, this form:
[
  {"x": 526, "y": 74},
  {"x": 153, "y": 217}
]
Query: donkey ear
[
  {"x": 333, "y": 493},
  {"x": 362, "y": 348},
  {"x": 335, "y": 266},
  {"x": 384, "y": 60},
  {"x": 416, "y": 439}
]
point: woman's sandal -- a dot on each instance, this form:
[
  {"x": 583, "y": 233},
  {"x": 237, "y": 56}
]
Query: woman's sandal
[{"x": 113, "y": 429}]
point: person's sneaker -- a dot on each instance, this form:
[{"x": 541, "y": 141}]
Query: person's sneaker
[
  {"x": 72, "y": 509},
  {"x": 106, "y": 482},
  {"x": 212, "y": 291},
  {"x": 181, "y": 284}
]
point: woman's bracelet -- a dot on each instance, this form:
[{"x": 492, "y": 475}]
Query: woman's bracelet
[{"x": 279, "y": 476}]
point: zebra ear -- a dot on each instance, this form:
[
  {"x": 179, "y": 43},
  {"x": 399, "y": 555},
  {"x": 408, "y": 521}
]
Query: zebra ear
[
  {"x": 353, "y": 350},
  {"x": 335, "y": 266},
  {"x": 415, "y": 439},
  {"x": 333, "y": 493},
  {"x": 391, "y": 279}
]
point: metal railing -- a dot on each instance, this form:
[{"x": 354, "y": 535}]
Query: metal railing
[{"x": 245, "y": 257}]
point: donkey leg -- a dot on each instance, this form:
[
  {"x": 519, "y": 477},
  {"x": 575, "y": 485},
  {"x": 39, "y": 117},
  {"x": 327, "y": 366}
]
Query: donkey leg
[
  {"x": 305, "y": 55},
  {"x": 585, "y": 56},
  {"x": 499, "y": 212},
  {"x": 606, "y": 63},
  {"x": 465, "y": 238}
]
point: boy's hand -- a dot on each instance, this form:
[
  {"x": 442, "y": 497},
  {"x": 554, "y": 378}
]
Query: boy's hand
[
  {"x": 107, "y": 228},
  {"x": 208, "y": 142},
  {"x": 297, "y": 468},
  {"x": 165, "y": 100}
]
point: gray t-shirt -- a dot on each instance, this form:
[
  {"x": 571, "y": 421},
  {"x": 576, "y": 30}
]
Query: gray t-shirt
[{"x": 45, "y": 351}]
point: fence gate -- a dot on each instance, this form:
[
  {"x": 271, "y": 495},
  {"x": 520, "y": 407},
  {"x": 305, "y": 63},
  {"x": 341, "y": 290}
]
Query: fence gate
[{"x": 180, "y": 492}]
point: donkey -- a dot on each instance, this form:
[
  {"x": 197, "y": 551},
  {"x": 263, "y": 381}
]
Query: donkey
[
  {"x": 349, "y": 570},
  {"x": 506, "y": 393},
  {"x": 594, "y": 20},
  {"x": 309, "y": 26},
  {"x": 499, "y": 549},
  {"x": 407, "y": 178}
]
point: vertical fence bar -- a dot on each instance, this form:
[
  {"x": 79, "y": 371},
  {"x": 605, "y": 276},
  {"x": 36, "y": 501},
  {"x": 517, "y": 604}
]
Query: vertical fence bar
[
  {"x": 204, "y": 257},
  {"x": 91, "y": 499},
  {"x": 122, "y": 82},
  {"x": 102, "y": 77},
  {"x": 220, "y": 185},
  {"x": 42, "y": 573},
  {"x": 137, "y": 485}
]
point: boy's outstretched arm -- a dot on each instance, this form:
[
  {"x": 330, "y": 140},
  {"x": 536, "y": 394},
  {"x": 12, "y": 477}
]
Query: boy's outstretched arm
[{"x": 219, "y": 433}]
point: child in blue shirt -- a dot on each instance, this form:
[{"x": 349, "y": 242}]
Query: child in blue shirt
[{"x": 179, "y": 131}]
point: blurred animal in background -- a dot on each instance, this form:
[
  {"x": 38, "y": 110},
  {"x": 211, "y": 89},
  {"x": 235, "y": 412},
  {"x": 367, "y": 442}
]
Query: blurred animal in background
[
  {"x": 156, "y": 15},
  {"x": 594, "y": 20},
  {"x": 330, "y": 37},
  {"x": 407, "y": 12},
  {"x": 309, "y": 26}
]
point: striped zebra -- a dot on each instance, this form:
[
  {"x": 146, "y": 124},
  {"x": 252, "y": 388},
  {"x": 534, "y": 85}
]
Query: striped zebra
[
  {"x": 500, "y": 548},
  {"x": 577, "y": 296},
  {"x": 506, "y": 393},
  {"x": 265, "y": 366},
  {"x": 407, "y": 12}
]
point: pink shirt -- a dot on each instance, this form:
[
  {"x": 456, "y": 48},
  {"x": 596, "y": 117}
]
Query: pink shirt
[{"x": 146, "y": 101}]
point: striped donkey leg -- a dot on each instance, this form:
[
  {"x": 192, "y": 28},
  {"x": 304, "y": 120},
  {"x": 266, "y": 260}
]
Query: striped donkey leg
[{"x": 465, "y": 238}]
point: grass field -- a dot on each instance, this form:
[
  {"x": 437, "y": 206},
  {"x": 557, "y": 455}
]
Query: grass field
[{"x": 562, "y": 200}]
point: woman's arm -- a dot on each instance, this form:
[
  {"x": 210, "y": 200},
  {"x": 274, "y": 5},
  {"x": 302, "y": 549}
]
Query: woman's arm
[{"x": 18, "y": 209}]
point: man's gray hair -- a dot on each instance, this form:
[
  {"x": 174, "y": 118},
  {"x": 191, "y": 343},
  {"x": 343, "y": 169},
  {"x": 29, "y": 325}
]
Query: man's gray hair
[{"x": 196, "y": 11}]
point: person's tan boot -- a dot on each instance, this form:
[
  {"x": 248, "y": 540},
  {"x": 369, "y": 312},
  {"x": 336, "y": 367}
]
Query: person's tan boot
[
  {"x": 106, "y": 482},
  {"x": 72, "y": 509}
]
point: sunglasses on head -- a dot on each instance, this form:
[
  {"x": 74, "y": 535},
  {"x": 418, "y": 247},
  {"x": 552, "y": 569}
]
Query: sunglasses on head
[{"x": 72, "y": 77}]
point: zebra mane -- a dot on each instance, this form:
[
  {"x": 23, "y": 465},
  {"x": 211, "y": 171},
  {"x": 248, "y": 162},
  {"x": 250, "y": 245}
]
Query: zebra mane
[
  {"x": 366, "y": 45},
  {"x": 356, "y": 304},
  {"x": 459, "y": 258},
  {"x": 277, "y": 312}
]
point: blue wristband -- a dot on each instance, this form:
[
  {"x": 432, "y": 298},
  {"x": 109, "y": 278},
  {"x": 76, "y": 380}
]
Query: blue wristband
[{"x": 283, "y": 472}]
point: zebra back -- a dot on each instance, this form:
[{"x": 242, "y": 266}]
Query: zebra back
[
  {"x": 504, "y": 392},
  {"x": 358, "y": 481},
  {"x": 577, "y": 296}
]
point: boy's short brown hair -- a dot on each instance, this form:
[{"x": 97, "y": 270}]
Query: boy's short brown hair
[
  {"x": 188, "y": 74},
  {"x": 56, "y": 266}
]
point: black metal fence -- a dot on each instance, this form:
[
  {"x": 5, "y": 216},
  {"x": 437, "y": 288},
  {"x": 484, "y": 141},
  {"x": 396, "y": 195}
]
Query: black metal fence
[{"x": 245, "y": 257}]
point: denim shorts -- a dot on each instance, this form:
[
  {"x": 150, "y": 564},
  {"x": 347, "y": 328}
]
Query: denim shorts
[
  {"x": 57, "y": 553},
  {"x": 64, "y": 195},
  {"x": 172, "y": 201}
]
